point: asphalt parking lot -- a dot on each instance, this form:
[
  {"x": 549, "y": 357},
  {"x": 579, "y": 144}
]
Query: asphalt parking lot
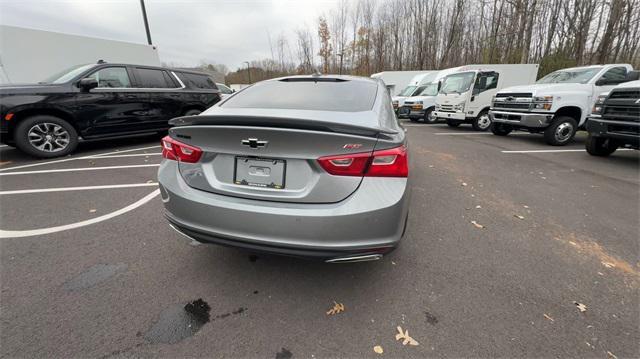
[{"x": 513, "y": 249}]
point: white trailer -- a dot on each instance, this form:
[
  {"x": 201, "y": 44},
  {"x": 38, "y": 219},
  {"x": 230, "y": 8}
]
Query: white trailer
[
  {"x": 465, "y": 95},
  {"x": 29, "y": 56},
  {"x": 396, "y": 81}
]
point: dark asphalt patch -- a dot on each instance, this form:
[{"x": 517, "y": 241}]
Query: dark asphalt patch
[
  {"x": 284, "y": 354},
  {"x": 180, "y": 321},
  {"x": 431, "y": 319},
  {"x": 94, "y": 276}
]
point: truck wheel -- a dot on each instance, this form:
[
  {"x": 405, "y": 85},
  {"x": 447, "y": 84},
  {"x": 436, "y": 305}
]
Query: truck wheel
[
  {"x": 46, "y": 136},
  {"x": 482, "y": 122},
  {"x": 500, "y": 129},
  {"x": 192, "y": 112},
  {"x": 429, "y": 117},
  {"x": 561, "y": 131},
  {"x": 453, "y": 123},
  {"x": 598, "y": 146}
]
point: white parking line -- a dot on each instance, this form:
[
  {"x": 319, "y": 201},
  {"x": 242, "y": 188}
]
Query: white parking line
[
  {"x": 85, "y": 188},
  {"x": 3, "y": 146},
  {"x": 131, "y": 155},
  {"x": 75, "y": 158},
  {"x": 76, "y": 169},
  {"x": 421, "y": 125},
  {"x": 462, "y": 133},
  {"x": 554, "y": 151},
  {"x": 41, "y": 231}
]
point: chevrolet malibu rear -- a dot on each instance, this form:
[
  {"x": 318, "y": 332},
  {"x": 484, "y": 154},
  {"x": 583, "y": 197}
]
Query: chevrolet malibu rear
[{"x": 309, "y": 166}]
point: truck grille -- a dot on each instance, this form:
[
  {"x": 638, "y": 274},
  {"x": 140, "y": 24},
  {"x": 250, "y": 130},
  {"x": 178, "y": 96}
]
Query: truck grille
[
  {"x": 633, "y": 94},
  {"x": 621, "y": 113},
  {"x": 515, "y": 94},
  {"x": 447, "y": 108},
  {"x": 622, "y": 105},
  {"x": 511, "y": 105}
]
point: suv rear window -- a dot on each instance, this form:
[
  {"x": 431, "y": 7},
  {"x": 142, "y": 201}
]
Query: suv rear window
[
  {"x": 151, "y": 78},
  {"x": 197, "y": 81},
  {"x": 298, "y": 94}
]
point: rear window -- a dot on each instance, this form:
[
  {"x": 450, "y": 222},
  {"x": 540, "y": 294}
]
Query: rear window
[
  {"x": 197, "y": 81},
  {"x": 151, "y": 78},
  {"x": 345, "y": 96}
]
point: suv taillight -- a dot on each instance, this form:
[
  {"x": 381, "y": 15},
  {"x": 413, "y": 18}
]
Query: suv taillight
[
  {"x": 393, "y": 162},
  {"x": 178, "y": 151}
]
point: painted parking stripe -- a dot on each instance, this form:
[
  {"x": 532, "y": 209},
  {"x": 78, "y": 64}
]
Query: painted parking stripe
[
  {"x": 3, "y": 146},
  {"x": 421, "y": 125},
  {"x": 554, "y": 151},
  {"x": 76, "y": 169},
  {"x": 85, "y": 188},
  {"x": 75, "y": 158},
  {"x": 462, "y": 133},
  {"x": 49, "y": 230},
  {"x": 129, "y": 155}
]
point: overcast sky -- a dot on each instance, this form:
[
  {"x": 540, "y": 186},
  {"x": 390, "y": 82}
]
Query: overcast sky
[{"x": 185, "y": 31}]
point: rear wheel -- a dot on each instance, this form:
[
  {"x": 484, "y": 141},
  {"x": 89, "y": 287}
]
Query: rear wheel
[
  {"x": 561, "y": 131},
  {"x": 453, "y": 123},
  {"x": 46, "y": 136},
  {"x": 500, "y": 129},
  {"x": 429, "y": 117},
  {"x": 598, "y": 146},
  {"x": 482, "y": 122}
]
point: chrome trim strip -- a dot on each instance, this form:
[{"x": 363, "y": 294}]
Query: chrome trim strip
[{"x": 365, "y": 258}]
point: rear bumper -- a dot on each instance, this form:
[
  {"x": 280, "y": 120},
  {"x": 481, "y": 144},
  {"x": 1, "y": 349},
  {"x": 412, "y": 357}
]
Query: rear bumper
[
  {"x": 624, "y": 132},
  {"x": 371, "y": 220},
  {"x": 523, "y": 119},
  {"x": 459, "y": 116}
]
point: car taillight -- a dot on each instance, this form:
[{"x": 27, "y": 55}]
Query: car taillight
[
  {"x": 178, "y": 151},
  {"x": 393, "y": 162}
]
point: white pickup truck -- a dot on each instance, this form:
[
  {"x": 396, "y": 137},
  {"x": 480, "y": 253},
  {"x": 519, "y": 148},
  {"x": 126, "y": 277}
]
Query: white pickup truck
[{"x": 557, "y": 104}]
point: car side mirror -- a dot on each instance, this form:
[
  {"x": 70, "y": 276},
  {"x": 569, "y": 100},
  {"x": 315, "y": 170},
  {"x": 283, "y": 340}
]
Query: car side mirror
[
  {"x": 87, "y": 84},
  {"x": 476, "y": 91},
  {"x": 234, "y": 90}
]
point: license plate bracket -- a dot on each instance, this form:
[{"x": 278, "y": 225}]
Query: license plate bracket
[{"x": 260, "y": 172}]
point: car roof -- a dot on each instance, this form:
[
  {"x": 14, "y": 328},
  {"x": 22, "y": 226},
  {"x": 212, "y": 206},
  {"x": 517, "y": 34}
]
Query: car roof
[
  {"x": 152, "y": 67},
  {"x": 319, "y": 77}
]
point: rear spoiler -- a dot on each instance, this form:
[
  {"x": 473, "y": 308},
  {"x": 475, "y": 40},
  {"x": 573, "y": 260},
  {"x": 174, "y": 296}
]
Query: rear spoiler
[{"x": 278, "y": 122}]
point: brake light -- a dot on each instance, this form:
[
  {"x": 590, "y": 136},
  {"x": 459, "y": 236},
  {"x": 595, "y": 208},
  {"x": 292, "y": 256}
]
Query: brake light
[
  {"x": 393, "y": 162},
  {"x": 178, "y": 151}
]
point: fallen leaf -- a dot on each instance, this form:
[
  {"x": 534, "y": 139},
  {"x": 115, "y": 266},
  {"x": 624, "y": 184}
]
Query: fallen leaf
[
  {"x": 392, "y": 262},
  {"x": 378, "y": 349},
  {"x": 611, "y": 355},
  {"x": 608, "y": 264},
  {"x": 478, "y": 225},
  {"x": 337, "y": 308},
  {"x": 518, "y": 216},
  {"x": 150, "y": 181},
  {"x": 464, "y": 184},
  {"x": 548, "y": 317},
  {"x": 525, "y": 206},
  {"x": 92, "y": 211},
  {"x": 405, "y": 336},
  {"x": 581, "y": 307},
  {"x": 478, "y": 207}
]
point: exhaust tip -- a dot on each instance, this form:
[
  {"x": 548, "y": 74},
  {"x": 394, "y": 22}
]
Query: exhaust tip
[{"x": 352, "y": 259}]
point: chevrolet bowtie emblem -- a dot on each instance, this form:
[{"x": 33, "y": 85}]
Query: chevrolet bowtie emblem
[{"x": 254, "y": 143}]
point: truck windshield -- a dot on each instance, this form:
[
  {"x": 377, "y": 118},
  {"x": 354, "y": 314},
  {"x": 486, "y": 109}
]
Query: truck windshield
[
  {"x": 430, "y": 90},
  {"x": 457, "y": 83},
  {"x": 408, "y": 91},
  {"x": 66, "y": 75},
  {"x": 575, "y": 76}
]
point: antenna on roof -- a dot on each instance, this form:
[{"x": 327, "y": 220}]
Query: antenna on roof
[{"x": 101, "y": 61}]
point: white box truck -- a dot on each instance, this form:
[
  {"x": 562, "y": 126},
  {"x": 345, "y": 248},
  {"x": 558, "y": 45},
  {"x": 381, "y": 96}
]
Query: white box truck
[
  {"x": 558, "y": 104},
  {"x": 415, "y": 86},
  {"x": 465, "y": 95},
  {"x": 396, "y": 81},
  {"x": 30, "y": 56}
]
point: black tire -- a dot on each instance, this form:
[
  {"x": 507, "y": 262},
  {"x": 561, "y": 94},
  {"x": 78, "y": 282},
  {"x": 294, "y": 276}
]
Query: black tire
[
  {"x": 561, "y": 131},
  {"x": 413, "y": 119},
  {"x": 453, "y": 123},
  {"x": 482, "y": 122},
  {"x": 192, "y": 112},
  {"x": 59, "y": 138},
  {"x": 599, "y": 146},
  {"x": 500, "y": 129},
  {"x": 428, "y": 118}
]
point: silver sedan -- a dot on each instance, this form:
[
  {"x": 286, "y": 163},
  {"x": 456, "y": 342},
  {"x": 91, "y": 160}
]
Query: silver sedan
[{"x": 311, "y": 166}]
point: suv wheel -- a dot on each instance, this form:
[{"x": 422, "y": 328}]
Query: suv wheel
[
  {"x": 453, "y": 123},
  {"x": 482, "y": 122},
  {"x": 561, "y": 131},
  {"x": 429, "y": 117},
  {"x": 598, "y": 146},
  {"x": 46, "y": 136},
  {"x": 501, "y": 129}
]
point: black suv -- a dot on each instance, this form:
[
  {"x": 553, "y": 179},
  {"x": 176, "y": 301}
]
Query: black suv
[
  {"x": 615, "y": 120},
  {"x": 98, "y": 101}
]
